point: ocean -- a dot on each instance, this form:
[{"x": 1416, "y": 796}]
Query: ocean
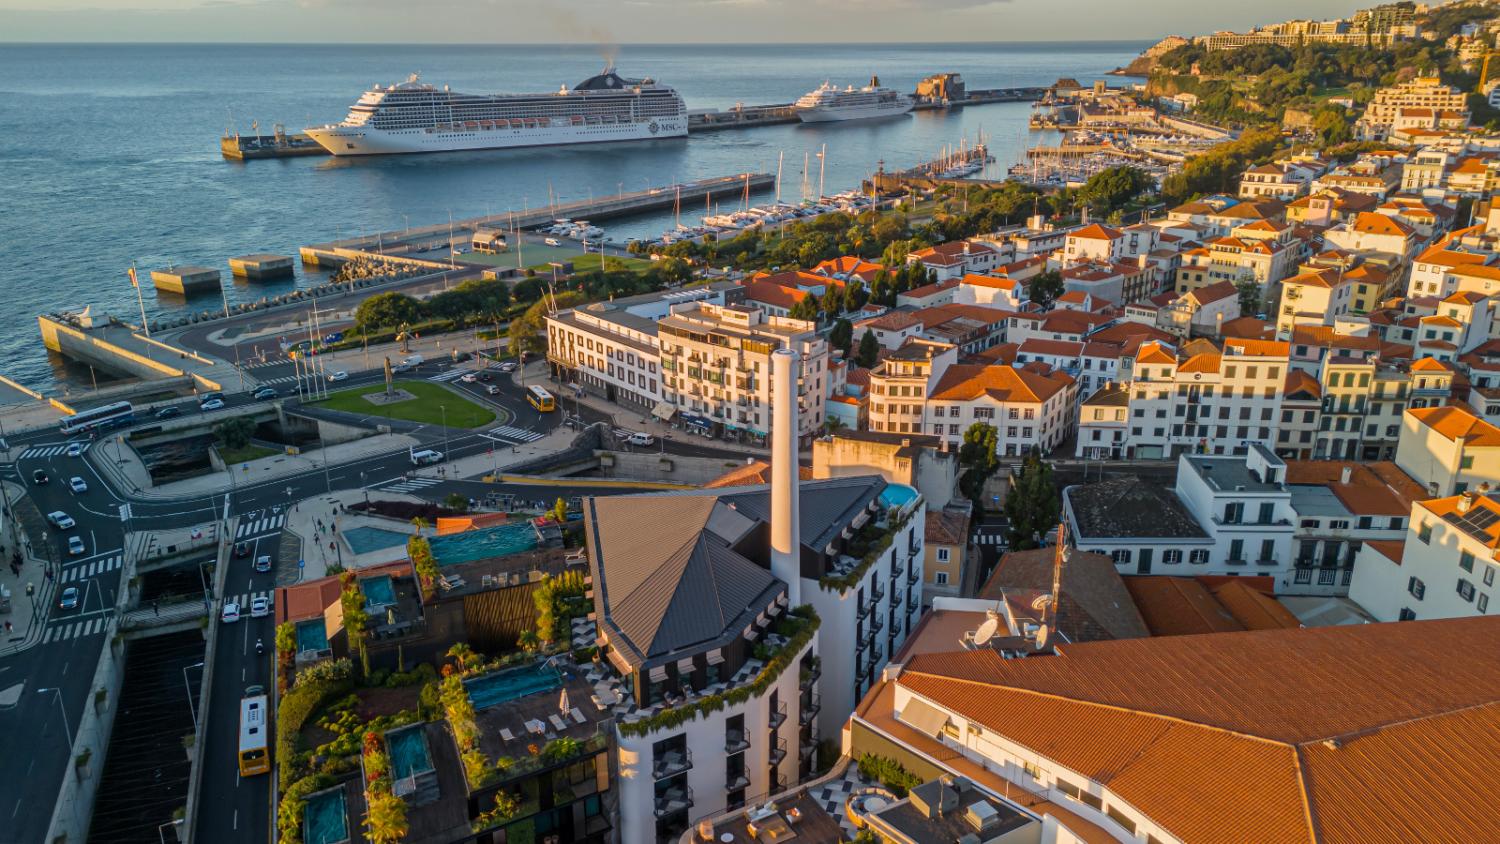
[{"x": 109, "y": 153}]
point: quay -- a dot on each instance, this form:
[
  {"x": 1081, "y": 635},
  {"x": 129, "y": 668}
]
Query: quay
[
  {"x": 280, "y": 145},
  {"x": 185, "y": 281},
  {"x": 695, "y": 193},
  {"x": 261, "y": 266}
]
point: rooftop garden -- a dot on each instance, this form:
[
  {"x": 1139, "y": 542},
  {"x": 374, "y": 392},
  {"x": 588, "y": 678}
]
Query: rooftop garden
[
  {"x": 868, "y": 544},
  {"x": 797, "y": 626}
]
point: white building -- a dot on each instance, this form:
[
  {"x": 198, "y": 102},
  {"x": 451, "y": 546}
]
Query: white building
[
  {"x": 1448, "y": 449},
  {"x": 1031, "y": 411},
  {"x": 1445, "y": 568}
]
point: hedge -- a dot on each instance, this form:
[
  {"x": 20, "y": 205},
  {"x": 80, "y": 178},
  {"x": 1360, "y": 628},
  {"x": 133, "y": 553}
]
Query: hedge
[{"x": 312, "y": 691}]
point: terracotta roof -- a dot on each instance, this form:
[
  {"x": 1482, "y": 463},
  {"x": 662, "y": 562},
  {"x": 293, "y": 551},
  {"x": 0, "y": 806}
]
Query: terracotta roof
[
  {"x": 1252, "y": 607},
  {"x": 1297, "y": 381},
  {"x": 1455, "y": 423},
  {"x": 774, "y": 294},
  {"x": 1095, "y": 231},
  {"x": 1431, "y": 365},
  {"x": 891, "y": 321},
  {"x": 1122, "y": 331},
  {"x": 1155, "y": 353},
  {"x": 1391, "y": 549},
  {"x": 966, "y": 382},
  {"x": 930, "y": 289},
  {"x": 1292, "y": 735},
  {"x": 1179, "y": 606},
  {"x": 1058, "y": 348},
  {"x": 1452, "y": 508},
  {"x": 1094, "y": 604},
  {"x": 990, "y": 281},
  {"x": 757, "y": 473},
  {"x": 1002, "y": 353},
  {"x": 1249, "y": 327},
  {"x": 1374, "y": 489},
  {"x": 945, "y": 528},
  {"x": 1256, "y": 348},
  {"x": 1214, "y": 292},
  {"x": 310, "y": 598},
  {"x": 1201, "y": 363}
]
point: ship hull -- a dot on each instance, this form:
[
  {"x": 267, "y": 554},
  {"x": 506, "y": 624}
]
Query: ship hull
[
  {"x": 839, "y": 114},
  {"x": 345, "y": 141}
]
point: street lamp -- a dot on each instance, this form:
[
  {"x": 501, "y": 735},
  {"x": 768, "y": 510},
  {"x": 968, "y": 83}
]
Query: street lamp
[
  {"x": 447, "y": 450},
  {"x": 66, "y": 728},
  {"x": 189, "y": 689},
  {"x": 365, "y": 488}
]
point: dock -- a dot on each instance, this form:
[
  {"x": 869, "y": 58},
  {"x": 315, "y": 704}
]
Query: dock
[
  {"x": 389, "y": 244},
  {"x": 186, "y": 281},
  {"x": 261, "y": 266},
  {"x": 280, "y": 145}
]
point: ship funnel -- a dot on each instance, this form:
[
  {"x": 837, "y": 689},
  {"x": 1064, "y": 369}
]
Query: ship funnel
[{"x": 874, "y": 81}]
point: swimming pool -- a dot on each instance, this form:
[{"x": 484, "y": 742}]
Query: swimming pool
[
  {"x": 363, "y": 540},
  {"x": 495, "y": 689},
  {"x": 409, "y": 754},
  {"x": 324, "y": 818},
  {"x": 379, "y": 591},
  {"x": 311, "y": 636},
  {"x": 481, "y": 544},
  {"x": 897, "y": 495}
]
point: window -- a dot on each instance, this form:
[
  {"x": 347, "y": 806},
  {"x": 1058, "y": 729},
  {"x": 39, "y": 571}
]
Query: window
[
  {"x": 1465, "y": 589},
  {"x": 1120, "y": 555},
  {"x": 1466, "y": 561},
  {"x": 1267, "y": 550},
  {"x": 1489, "y": 575},
  {"x": 940, "y": 578},
  {"x": 1267, "y": 512},
  {"x": 1407, "y": 614},
  {"x": 1234, "y": 511},
  {"x": 1365, "y": 522},
  {"x": 1237, "y": 549},
  {"x": 1171, "y": 556},
  {"x": 1032, "y": 770},
  {"x": 942, "y": 555},
  {"x": 1198, "y": 556},
  {"x": 1484, "y": 603},
  {"x": 1424, "y": 533},
  {"x": 1416, "y": 588},
  {"x": 1466, "y": 463}
]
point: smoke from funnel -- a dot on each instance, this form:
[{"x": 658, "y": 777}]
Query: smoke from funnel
[{"x": 571, "y": 26}]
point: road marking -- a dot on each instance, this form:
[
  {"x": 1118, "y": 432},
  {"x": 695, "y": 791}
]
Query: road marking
[
  {"x": 413, "y": 484},
  {"x": 84, "y": 571},
  {"x": 511, "y": 432},
  {"x": 449, "y": 375},
  {"x": 259, "y": 526}
]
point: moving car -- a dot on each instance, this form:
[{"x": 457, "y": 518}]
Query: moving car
[
  {"x": 38, "y": 477},
  {"x": 265, "y": 393},
  {"x": 230, "y": 613},
  {"x": 426, "y": 455},
  {"x": 242, "y": 549},
  {"x": 508, "y": 366},
  {"x": 263, "y": 562},
  {"x": 75, "y": 546},
  {"x": 492, "y": 390},
  {"x": 169, "y": 412},
  {"x": 77, "y": 484},
  {"x": 75, "y": 449},
  {"x": 69, "y": 599},
  {"x": 60, "y": 520},
  {"x": 640, "y": 439},
  {"x": 552, "y": 241},
  {"x": 334, "y": 337},
  {"x": 260, "y": 606},
  {"x": 211, "y": 404},
  {"x": 468, "y": 378},
  {"x": 337, "y": 375}
]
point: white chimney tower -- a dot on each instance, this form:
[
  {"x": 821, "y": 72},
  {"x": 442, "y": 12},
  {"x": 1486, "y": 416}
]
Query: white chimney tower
[{"x": 786, "y": 528}]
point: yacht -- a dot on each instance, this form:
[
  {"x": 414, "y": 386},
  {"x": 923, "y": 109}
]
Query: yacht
[{"x": 830, "y": 103}]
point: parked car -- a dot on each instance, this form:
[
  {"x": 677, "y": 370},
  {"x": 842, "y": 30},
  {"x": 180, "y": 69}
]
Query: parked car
[
  {"x": 552, "y": 241},
  {"x": 69, "y": 599},
  {"x": 242, "y": 549},
  {"x": 169, "y": 412},
  {"x": 333, "y": 338},
  {"x": 337, "y": 375},
  {"x": 263, "y": 562},
  {"x": 260, "y": 606},
  {"x": 212, "y": 404},
  {"x": 75, "y": 449},
  {"x": 76, "y": 546},
  {"x": 38, "y": 477},
  {"x": 60, "y": 520},
  {"x": 265, "y": 393},
  {"x": 78, "y": 485},
  {"x": 230, "y": 613}
]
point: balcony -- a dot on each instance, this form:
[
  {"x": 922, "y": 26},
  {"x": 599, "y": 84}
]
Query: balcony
[
  {"x": 678, "y": 798},
  {"x": 912, "y": 576},
  {"x": 778, "y": 753},
  {"x": 777, "y": 717},
  {"x": 876, "y": 625},
  {"x": 735, "y": 780},
  {"x": 896, "y": 599},
  {"x": 1236, "y": 562},
  {"x": 864, "y": 610},
  {"x": 810, "y": 675},
  {"x": 877, "y": 594},
  {"x": 735, "y": 741},
  {"x": 671, "y": 763},
  {"x": 810, "y": 708},
  {"x": 897, "y": 569}
]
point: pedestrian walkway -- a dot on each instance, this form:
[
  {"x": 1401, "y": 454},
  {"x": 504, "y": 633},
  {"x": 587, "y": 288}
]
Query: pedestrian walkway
[
  {"x": 61, "y": 631},
  {"x": 52, "y": 450},
  {"x": 510, "y": 432},
  {"x": 279, "y": 361},
  {"x": 412, "y": 484},
  {"x": 257, "y": 525},
  {"x": 456, "y": 372},
  {"x": 243, "y": 599},
  {"x": 92, "y": 568}
]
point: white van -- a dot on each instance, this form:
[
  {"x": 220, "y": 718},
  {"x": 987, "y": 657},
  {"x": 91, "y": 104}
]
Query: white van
[
  {"x": 640, "y": 439},
  {"x": 425, "y": 456},
  {"x": 412, "y": 360},
  {"x": 552, "y": 241}
]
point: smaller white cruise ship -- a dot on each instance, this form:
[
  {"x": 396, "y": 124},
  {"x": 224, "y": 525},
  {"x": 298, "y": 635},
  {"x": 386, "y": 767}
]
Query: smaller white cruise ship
[{"x": 831, "y": 103}]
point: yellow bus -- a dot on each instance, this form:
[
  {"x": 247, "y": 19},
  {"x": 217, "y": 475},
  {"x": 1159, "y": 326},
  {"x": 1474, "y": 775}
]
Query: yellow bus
[
  {"x": 254, "y": 757},
  {"x": 541, "y": 399}
]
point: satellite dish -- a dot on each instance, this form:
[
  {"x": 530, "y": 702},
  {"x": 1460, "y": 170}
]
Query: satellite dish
[
  {"x": 1041, "y": 601},
  {"x": 986, "y": 631},
  {"x": 1041, "y": 637}
]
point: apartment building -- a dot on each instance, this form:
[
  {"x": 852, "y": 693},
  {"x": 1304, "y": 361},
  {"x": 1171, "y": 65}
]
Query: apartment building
[
  {"x": 1204, "y": 398},
  {"x": 1423, "y": 92},
  {"x": 1116, "y": 282},
  {"x": 1103, "y": 423},
  {"x": 1301, "y": 404},
  {"x": 1242, "y": 257},
  {"x": 1314, "y": 297},
  {"x": 1340, "y": 506},
  {"x": 1443, "y": 568},
  {"x": 1033, "y": 412},
  {"x": 1448, "y": 449},
  {"x": 1362, "y": 402},
  {"x": 958, "y": 258},
  {"x": 1433, "y": 270},
  {"x": 1224, "y": 516},
  {"x": 716, "y": 364},
  {"x": 946, "y": 569},
  {"x": 1201, "y": 311},
  {"x": 900, "y": 385}
]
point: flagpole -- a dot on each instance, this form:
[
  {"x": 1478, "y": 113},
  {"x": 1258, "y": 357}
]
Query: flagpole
[{"x": 136, "y": 283}]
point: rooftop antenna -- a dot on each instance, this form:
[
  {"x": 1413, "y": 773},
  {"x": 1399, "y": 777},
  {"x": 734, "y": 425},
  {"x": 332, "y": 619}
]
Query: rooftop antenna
[{"x": 1059, "y": 556}]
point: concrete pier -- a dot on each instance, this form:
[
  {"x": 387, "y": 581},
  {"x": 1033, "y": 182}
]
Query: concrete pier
[
  {"x": 261, "y": 265},
  {"x": 186, "y": 280}
]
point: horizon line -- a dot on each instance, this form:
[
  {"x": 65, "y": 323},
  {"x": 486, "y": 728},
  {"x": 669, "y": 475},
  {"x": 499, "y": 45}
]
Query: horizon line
[{"x": 126, "y": 43}]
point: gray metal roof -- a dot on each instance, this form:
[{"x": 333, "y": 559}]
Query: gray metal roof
[{"x": 825, "y": 506}]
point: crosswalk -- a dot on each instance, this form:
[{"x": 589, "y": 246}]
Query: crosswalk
[
  {"x": 260, "y": 365},
  {"x": 449, "y": 375},
  {"x": 244, "y": 599},
  {"x": 63, "y": 630},
  {"x": 260, "y": 525},
  {"x": 510, "y": 432},
  {"x": 84, "y": 571},
  {"x": 37, "y": 452},
  {"x": 413, "y": 484}
]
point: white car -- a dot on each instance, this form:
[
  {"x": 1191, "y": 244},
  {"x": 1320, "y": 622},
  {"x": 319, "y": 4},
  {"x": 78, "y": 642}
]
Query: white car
[
  {"x": 60, "y": 520},
  {"x": 338, "y": 375},
  {"x": 212, "y": 404},
  {"x": 75, "y": 546},
  {"x": 230, "y": 613},
  {"x": 468, "y": 378},
  {"x": 260, "y": 606},
  {"x": 508, "y": 366},
  {"x": 75, "y": 449},
  {"x": 78, "y": 484}
]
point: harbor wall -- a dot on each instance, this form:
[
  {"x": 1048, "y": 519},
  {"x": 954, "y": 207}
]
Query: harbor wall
[{"x": 81, "y": 345}]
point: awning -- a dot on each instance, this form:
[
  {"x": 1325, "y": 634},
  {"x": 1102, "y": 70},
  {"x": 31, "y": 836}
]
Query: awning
[
  {"x": 751, "y": 633},
  {"x": 716, "y": 657},
  {"x": 685, "y": 665},
  {"x": 761, "y": 620},
  {"x": 923, "y": 717},
  {"x": 664, "y": 411},
  {"x": 618, "y": 661},
  {"x": 773, "y": 610},
  {"x": 658, "y": 674},
  {"x": 782, "y": 599}
]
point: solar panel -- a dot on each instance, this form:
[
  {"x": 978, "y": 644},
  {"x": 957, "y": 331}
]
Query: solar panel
[{"x": 1481, "y": 518}]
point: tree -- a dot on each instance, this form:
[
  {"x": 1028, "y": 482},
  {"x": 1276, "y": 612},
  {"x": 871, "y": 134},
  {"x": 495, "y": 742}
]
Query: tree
[
  {"x": 1046, "y": 288},
  {"x": 286, "y": 638},
  {"x": 528, "y": 289},
  {"x": 356, "y": 620},
  {"x": 869, "y": 350},
  {"x": 1250, "y": 302},
  {"x": 456, "y": 501},
  {"x": 235, "y": 433},
  {"x": 529, "y": 641},
  {"x": 1112, "y": 188},
  {"x": 1033, "y": 505},
  {"x": 978, "y": 457},
  {"x": 805, "y": 308},
  {"x": 384, "y": 310},
  {"x": 842, "y": 336}
]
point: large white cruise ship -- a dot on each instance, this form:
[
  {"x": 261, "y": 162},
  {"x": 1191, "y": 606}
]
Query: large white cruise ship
[
  {"x": 413, "y": 116},
  {"x": 830, "y": 103}
]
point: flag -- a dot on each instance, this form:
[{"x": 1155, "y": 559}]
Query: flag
[{"x": 133, "y": 282}]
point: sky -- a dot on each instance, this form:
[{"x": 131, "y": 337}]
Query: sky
[{"x": 637, "y": 21}]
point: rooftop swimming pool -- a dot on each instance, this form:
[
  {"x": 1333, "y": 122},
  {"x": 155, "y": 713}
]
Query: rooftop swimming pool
[
  {"x": 897, "y": 495},
  {"x": 311, "y": 636},
  {"x": 482, "y": 544},
  {"x": 409, "y": 753},
  {"x": 363, "y": 540},
  {"x": 324, "y": 818},
  {"x": 379, "y": 591},
  {"x": 495, "y": 689}
]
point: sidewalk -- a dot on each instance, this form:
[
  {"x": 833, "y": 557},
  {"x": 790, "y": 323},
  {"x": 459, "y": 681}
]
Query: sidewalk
[
  {"x": 125, "y": 466},
  {"x": 23, "y": 610}
]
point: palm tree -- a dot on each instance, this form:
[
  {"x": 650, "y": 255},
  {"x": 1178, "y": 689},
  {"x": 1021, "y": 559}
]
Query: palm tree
[
  {"x": 529, "y": 640},
  {"x": 462, "y": 654},
  {"x": 419, "y": 523}
]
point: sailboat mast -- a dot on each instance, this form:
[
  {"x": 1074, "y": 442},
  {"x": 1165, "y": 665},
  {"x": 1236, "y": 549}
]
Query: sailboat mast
[{"x": 780, "y": 156}]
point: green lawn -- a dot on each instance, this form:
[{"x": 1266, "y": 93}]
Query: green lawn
[
  {"x": 585, "y": 263},
  {"x": 431, "y": 403},
  {"x": 244, "y": 455}
]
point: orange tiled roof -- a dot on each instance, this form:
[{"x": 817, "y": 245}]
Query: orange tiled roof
[
  {"x": 1154, "y": 353},
  {"x": 998, "y": 283},
  {"x": 1370, "y": 491},
  {"x": 1455, "y": 423},
  {"x": 966, "y": 382},
  {"x": 1095, "y": 231},
  {"x": 1453, "y": 506}
]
